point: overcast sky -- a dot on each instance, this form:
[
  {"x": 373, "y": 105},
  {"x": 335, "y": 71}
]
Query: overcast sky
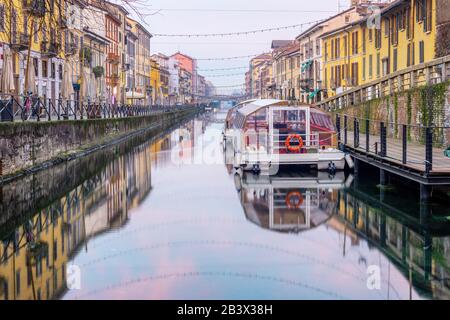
[{"x": 197, "y": 19}]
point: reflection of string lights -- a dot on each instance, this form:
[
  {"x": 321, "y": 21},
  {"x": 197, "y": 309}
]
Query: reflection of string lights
[
  {"x": 222, "y": 243},
  {"x": 253, "y": 276}
]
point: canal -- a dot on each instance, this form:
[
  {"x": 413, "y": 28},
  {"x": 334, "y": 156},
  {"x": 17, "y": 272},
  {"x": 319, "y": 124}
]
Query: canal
[{"x": 166, "y": 218}]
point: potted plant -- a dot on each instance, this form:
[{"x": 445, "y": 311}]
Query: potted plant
[
  {"x": 98, "y": 71},
  {"x": 86, "y": 55}
]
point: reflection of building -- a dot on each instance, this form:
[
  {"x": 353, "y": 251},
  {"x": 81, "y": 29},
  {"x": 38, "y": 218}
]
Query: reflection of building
[
  {"x": 288, "y": 203},
  {"x": 99, "y": 204},
  {"x": 408, "y": 246}
]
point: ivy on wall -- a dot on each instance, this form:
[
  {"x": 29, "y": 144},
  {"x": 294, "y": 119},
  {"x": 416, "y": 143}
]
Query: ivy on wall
[{"x": 417, "y": 107}]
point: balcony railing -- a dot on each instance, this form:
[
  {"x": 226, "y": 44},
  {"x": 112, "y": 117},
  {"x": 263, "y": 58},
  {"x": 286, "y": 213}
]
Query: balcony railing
[
  {"x": 49, "y": 49},
  {"x": 113, "y": 58},
  {"x": 21, "y": 43},
  {"x": 34, "y": 7}
]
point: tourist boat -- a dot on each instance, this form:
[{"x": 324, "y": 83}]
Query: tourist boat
[
  {"x": 269, "y": 133},
  {"x": 289, "y": 203}
]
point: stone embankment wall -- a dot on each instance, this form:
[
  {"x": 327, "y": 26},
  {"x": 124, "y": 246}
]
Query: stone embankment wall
[{"x": 28, "y": 145}]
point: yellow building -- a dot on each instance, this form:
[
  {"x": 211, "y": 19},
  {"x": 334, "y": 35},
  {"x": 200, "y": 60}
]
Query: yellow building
[
  {"x": 33, "y": 22},
  {"x": 155, "y": 80},
  {"x": 368, "y": 49}
]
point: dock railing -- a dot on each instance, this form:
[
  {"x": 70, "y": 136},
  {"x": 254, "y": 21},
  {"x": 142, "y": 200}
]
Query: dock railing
[
  {"x": 414, "y": 147},
  {"x": 29, "y": 108}
]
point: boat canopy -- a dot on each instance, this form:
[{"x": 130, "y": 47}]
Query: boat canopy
[
  {"x": 253, "y": 107},
  {"x": 233, "y": 110}
]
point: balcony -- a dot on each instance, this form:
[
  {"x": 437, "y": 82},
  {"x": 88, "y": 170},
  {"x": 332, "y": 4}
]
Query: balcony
[
  {"x": 113, "y": 58},
  {"x": 71, "y": 49},
  {"x": 49, "y": 49},
  {"x": 21, "y": 43},
  {"x": 306, "y": 84},
  {"x": 114, "y": 79},
  {"x": 34, "y": 8},
  {"x": 62, "y": 25}
]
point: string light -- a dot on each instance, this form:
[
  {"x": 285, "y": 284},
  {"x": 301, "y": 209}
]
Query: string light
[
  {"x": 294, "y": 26},
  {"x": 231, "y": 58},
  {"x": 223, "y": 69}
]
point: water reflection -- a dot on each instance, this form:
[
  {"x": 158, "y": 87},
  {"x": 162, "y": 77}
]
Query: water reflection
[
  {"x": 296, "y": 202},
  {"x": 34, "y": 254},
  {"x": 141, "y": 225},
  {"x": 289, "y": 202}
]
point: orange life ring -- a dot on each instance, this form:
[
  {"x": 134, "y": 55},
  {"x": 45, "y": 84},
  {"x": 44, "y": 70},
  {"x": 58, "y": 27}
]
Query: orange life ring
[
  {"x": 294, "y": 195},
  {"x": 291, "y": 147}
]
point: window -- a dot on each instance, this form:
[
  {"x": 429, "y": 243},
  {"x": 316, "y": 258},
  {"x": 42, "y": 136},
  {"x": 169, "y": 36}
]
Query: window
[
  {"x": 386, "y": 27},
  {"x": 355, "y": 42},
  {"x": 36, "y": 65},
  {"x": 378, "y": 39},
  {"x": 14, "y": 26},
  {"x": 408, "y": 24},
  {"x": 338, "y": 48},
  {"x": 370, "y": 35},
  {"x": 385, "y": 63},
  {"x": 364, "y": 40},
  {"x": 395, "y": 60},
  {"x": 421, "y": 52},
  {"x": 35, "y": 32},
  {"x": 18, "y": 282},
  {"x": 44, "y": 68},
  {"x": 53, "y": 70},
  {"x": 55, "y": 250},
  {"x": 427, "y": 16},
  {"x": 364, "y": 69},
  {"x": 378, "y": 65},
  {"x": 370, "y": 66},
  {"x": 355, "y": 80},
  {"x": 408, "y": 55},
  {"x": 345, "y": 46},
  {"x": 2, "y": 17},
  {"x": 394, "y": 30},
  {"x": 332, "y": 49},
  {"x": 25, "y": 24}
]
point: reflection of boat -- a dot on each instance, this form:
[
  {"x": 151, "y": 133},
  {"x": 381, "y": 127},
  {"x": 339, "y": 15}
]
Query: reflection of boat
[
  {"x": 288, "y": 203},
  {"x": 268, "y": 133}
]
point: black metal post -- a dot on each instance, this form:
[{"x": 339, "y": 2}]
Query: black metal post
[
  {"x": 338, "y": 127},
  {"x": 383, "y": 151},
  {"x": 345, "y": 129},
  {"x": 404, "y": 143},
  {"x": 367, "y": 135},
  {"x": 428, "y": 150},
  {"x": 356, "y": 133}
]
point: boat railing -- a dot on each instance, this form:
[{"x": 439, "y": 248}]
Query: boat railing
[{"x": 263, "y": 141}]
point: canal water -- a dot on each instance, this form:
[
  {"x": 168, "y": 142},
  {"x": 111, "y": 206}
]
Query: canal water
[{"x": 168, "y": 219}]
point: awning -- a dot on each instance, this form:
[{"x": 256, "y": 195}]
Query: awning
[
  {"x": 314, "y": 93},
  {"x": 306, "y": 65}
]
